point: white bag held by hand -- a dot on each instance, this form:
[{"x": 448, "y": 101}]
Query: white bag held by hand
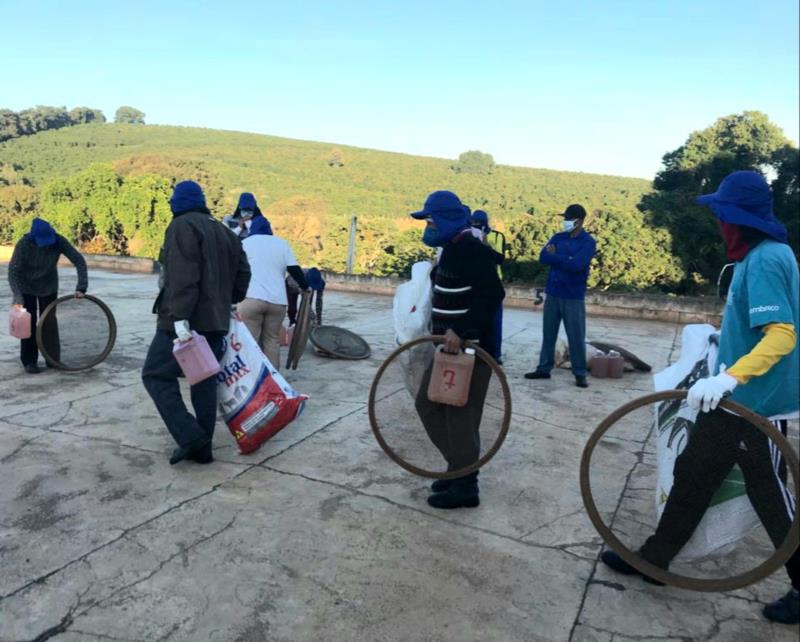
[
  {"x": 730, "y": 515},
  {"x": 412, "y": 304},
  {"x": 254, "y": 399}
]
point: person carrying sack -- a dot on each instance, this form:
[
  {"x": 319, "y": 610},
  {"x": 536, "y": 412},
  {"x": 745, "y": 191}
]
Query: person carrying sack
[{"x": 466, "y": 295}]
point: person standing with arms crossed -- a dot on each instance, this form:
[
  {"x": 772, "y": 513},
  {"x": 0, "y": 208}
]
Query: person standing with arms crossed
[{"x": 569, "y": 255}]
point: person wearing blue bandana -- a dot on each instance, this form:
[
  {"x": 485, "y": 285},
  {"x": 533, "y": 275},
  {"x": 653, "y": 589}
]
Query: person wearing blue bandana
[
  {"x": 246, "y": 213},
  {"x": 33, "y": 277},
  {"x": 466, "y": 295},
  {"x": 758, "y": 366},
  {"x": 204, "y": 272}
]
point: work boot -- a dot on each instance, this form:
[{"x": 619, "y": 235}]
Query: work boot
[
  {"x": 616, "y": 563},
  {"x": 786, "y": 610},
  {"x": 32, "y": 368},
  {"x": 462, "y": 493},
  {"x": 580, "y": 381},
  {"x": 537, "y": 374},
  {"x": 441, "y": 485},
  {"x": 201, "y": 454}
]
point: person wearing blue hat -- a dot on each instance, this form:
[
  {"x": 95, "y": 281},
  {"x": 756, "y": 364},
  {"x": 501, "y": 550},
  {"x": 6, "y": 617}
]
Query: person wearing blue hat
[
  {"x": 757, "y": 366},
  {"x": 497, "y": 242},
  {"x": 569, "y": 255},
  {"x": 33, "y": 277},
  {"x": 466, "y": 295},
  {"x": 204, "y": 272},
  {"x": 245, "y": 214}
]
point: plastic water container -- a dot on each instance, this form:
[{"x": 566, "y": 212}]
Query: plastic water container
[
  {"x": 598, "y": 366},
  {"x": 195, "y": 358},
  {"x": 285, "y": 335},
  {"x": 616, "y": 365},
  {"x": 19, "y": 323},
  {"x": 451, "y": 376}
]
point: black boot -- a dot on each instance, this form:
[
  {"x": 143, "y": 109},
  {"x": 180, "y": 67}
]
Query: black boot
[
  {"x": 537, "y": 374},
  {"x": 786, "y": 610},
  {"x": 616, "y": 563},
  {"x": 441, "y": 485},
  {"x": 462, "y": 493},
  {"x": 580, "y": 381},
  {"x": 200, "y": 454}
]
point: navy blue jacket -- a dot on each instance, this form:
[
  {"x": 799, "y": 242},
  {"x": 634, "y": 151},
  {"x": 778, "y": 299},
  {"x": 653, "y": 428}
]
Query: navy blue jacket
[{"x": 569, "y": 265}]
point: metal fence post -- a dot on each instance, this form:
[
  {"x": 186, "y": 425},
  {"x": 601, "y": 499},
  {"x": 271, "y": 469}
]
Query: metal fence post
[{"x": 351, "y": 246}]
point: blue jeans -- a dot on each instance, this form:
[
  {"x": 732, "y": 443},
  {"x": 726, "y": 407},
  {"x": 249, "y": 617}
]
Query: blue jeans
[{"x": 573, "y": 313}]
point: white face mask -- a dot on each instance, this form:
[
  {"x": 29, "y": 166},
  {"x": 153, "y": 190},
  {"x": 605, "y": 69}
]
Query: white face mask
[
  {"x": 246, "y": 214},
  {"x": 569, "y": 226}
]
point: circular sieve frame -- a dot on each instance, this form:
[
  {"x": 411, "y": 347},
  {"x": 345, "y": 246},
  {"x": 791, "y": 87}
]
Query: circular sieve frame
[
  {"x": 766, "y": 568},
  {"x": 302, "y": 330},
  {"x": 334, "y": 353},
  {"x": 416, "y": 470},
  {"x": 112, "y": 333}
]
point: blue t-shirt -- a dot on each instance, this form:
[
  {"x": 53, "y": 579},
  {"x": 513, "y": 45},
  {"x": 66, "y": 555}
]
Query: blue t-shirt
[{"x": 764, "y": 290}]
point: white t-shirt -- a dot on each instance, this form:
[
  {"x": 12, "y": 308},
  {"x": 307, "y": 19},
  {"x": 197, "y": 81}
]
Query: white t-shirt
[{"x": 268, "y": 256}]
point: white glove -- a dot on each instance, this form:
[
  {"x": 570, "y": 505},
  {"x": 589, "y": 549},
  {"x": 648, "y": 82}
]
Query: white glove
[
  {"x": 706, "y": 393},
  {"x": 183, "y": 331}
]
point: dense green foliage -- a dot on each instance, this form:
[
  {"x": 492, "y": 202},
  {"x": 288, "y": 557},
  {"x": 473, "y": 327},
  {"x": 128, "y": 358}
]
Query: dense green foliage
[
  {"x": 106, "y": 187},
  {"x": 129, "y": 115},
  {"x": 474, "y": 162},
  {"x": 38, "y": 119},
  {"x": 743, "y": 141}
]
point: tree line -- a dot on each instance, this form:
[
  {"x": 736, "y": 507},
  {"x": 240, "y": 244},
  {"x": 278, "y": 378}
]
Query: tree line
[{"x": 43, "y": 118}]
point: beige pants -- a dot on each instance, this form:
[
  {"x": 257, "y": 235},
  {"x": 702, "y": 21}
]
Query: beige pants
[{"x": 264, "y": 319}]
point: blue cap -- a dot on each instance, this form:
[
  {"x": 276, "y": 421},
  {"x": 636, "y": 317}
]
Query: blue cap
[
  {"x": 480, "y": 217},
  {"x": 260, "y": 225},
  {"x": 442, "y": 204},
  {"x": 42, "y": 233},
  {"x": 186, "y": 197},
  {"x": 744, "y": 198}
]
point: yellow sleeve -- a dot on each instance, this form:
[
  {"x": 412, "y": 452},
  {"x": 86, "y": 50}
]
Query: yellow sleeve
[{"x": 778, "y": 341}]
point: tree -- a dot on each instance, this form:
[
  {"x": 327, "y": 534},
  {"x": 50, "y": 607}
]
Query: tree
[
  {"x": 474, "y": 162},
  {"x": 741, "y": 141},
  {"x": 336, "y": 158},
  {"x": 129, "y": 115},
  {"x": 82, "y": 115}
]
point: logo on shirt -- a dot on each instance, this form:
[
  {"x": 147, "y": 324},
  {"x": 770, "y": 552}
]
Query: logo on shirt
[{"x": 765, "y": 308}]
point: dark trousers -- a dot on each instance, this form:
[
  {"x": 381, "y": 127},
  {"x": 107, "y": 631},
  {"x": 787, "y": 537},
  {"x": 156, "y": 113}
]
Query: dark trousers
[
  {"x": 456, "y": 431},
  {"x": 29, "y": 349},
  {"x": 573, "y": 313},
  {"x": 720, "y": 440},
  {"x": 497, "y": 349},
  {"x": 160, "y": 377}
]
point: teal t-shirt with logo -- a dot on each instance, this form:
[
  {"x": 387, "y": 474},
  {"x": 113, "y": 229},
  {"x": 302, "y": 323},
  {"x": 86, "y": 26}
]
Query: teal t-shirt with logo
[{"x": 765, "y": 289}]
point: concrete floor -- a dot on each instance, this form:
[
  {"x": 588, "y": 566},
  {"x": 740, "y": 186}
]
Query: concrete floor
[{"x": 317, "y": 536}]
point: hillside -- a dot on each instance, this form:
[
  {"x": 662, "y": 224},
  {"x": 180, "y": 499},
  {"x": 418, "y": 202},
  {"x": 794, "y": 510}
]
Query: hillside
[
  {"x": 369, "y": 182},
  {"x": 106, "y": 186}
]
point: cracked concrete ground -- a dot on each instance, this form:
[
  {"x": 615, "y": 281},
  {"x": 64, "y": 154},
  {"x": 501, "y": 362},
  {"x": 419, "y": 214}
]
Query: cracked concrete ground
[{"x": 318, "y": 536}]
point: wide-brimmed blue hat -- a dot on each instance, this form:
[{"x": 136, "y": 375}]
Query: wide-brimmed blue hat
[
  {"x": 442, "y": 204},
  {"x": 744, "y": 198}
]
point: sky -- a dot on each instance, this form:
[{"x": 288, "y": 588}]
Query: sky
[{"x": 605, "y": 87}]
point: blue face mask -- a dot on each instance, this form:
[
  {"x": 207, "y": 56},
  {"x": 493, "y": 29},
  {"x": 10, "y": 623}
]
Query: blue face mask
[{"x": 432, "y": 238}]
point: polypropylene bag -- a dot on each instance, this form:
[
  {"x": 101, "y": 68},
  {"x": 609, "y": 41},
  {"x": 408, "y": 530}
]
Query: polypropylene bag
[
  {"x": 412, "y": 304},
  {"x": 730, "y": 516},
  {"x": 254, "y": 399}
]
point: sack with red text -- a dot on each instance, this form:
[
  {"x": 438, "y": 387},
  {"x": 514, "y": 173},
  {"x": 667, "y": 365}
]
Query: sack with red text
[{"x": 254, "y": 399}]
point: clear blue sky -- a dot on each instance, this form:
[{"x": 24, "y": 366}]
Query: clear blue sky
[{"x": 590, "y": 86}]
